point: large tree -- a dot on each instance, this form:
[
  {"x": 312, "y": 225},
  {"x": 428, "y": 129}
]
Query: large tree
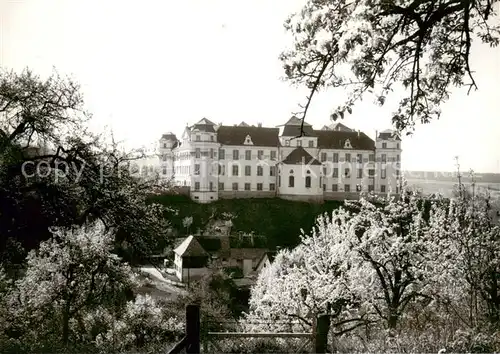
[
  {"x": 74, "y": 176},
  {"x": 371, "y": 46}
]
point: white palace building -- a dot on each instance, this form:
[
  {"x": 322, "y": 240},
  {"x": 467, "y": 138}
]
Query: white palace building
[{"x": 292, "y": 161}]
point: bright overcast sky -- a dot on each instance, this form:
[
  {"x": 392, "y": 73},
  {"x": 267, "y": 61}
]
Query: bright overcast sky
[{"x": 148, "y": 67}]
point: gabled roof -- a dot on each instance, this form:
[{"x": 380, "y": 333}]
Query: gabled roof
[
  {"x": 190, "y": 247},
  {"x": 388, "y": 134},
  {"x": 340, "y": 127},
  {"x": 230, "y": 135},
  {"x": 248, "y": 253},
  {"x": 169, "y": 135},
  {"x": 329, "y": 139},
  {"x": 243, "y": 124},
  {"x": 296, "y": 121},
  {"x": 295, "y": 130},
  {"x": 204, "y": 125},
  {"x": 268, "y": 255},
  {"x": 205, "y": 121},
  {"x": 300, "y": 156}
]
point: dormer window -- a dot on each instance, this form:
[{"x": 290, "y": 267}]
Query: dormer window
[
  {"x": 347, "y": 144},
  {"x": 248, "y": 140},
  {"x": 311, "y": 143}
]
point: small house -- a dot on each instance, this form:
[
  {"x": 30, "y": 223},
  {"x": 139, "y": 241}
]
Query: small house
[{"x": 191, "y": 260}]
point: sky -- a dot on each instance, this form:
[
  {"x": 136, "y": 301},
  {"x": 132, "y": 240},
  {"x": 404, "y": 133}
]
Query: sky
[{"x": 150, "y": 67}]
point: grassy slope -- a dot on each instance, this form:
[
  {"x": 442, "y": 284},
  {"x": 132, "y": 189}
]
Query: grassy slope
[{"x": 278, "y": 220}]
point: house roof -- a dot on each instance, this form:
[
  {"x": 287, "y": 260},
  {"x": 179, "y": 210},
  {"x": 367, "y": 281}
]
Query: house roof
[
  {"x": 389, "y": 134},
  {"x": 248, "y": 253},
  {"x": 329, "y": 139},
  {"x": 296, "y": 121},
  {"x": 300, "y": 156},
  {"x": 340, "y": 127},
  {"x": 268, "y": 255},
  {"x": 231, "y": 135},
  {"x": 295, "y": 130},
  {"x": 243, "y": 124},
  {"x": 190, "y": 247},
  {"x": 204, "y": 125},
  {"x": 169, "y": 135}
]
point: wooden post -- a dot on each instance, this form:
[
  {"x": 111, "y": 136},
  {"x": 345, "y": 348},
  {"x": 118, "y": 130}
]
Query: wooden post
[
  {"x": 321, "y": 334},
  {"x": 193, "y": 329}
]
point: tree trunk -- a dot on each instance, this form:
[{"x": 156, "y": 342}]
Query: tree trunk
[{"x": 65, "y": 324}]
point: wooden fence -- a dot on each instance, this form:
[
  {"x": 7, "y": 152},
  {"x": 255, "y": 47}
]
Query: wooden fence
[{"x": 193, "y": 338}]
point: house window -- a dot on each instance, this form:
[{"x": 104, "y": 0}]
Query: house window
[
  {"x": 248, "y": 155},
  {"x": 211, "y": 186},
  {"x": 370, "y": 188},
  {"x": 198, "y": 138},
  {"x": 287, "y": 142},
  {"x": 279, "y": 181},
  {"x": 260, "y": 153},
  {"x": 384, "y": 158},
  {"x": 347, "y": 173},
  {"x": 360, "y": 173},
  {"x": 247, "y": 186},
  {"x": 348, "y": 157},
  {"x": 196, "y": 186},
  {"x": 382, "y": 188},
  {"x": 358, "y": 187},
  {"x": 235, "y": 170},
  {"x": 221, "y": 170},
  {"x": 211, "y": 153},
  {"x": 323, "y": 156},
  {"x": 273, "y": 154},
  {"x": 359, "y": 158},
  {"x": 211, "y": 138},
  {"x": 308, "y": 182},
  {"x": 335, "y": 172},
  {"x": 299, "y": 142},
  {"x": 311, "y": 143},
  {"x": 248, "y": 170},
  {"x": 397, "y": 158},
  {"x": 164, "y": 145},
  {"x": 347, "y": 188},
  {"x": 324, "y": 171},
  {"x": 197, "y": 153},
  {"x": 397, "y": 173},
  {"x": 384, "y": 145},
  {"x": 335, "y": 157},
  {"x": 236, "y": 154},
  {"x": 235, "y": 186},
  {"x": 383, "y": 174},
  {"x": 221, "y": 186},
  {"x": 324, "y": 187},
  {"x": 272, "y": 170},
  {"x": 291, "y": 181},
  {"x": 397, "y": 147},
  {"x": 371, "y": 157},
  {"x": 259, "y": 186},
  {"x": 222, "y": 154},
  {"x": 371, "y": 173},
  {"x": 272, "y": 186},
  {"x": 164, "y": 157},
  {"x": 335, "y": 187},
  {"x": 197, "y": 169},
  {"x": 260, "y": 171}
]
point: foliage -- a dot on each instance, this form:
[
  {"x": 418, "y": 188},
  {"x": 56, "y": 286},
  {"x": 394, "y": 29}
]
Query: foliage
[
  {"x": 372, "y": 46},
  {"x": 54, "y": 172}
]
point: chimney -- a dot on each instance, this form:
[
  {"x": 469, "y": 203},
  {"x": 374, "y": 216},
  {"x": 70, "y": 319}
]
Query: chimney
[
  {"x": 358, "y": 133},
  {"x": 376, "y": 135}
]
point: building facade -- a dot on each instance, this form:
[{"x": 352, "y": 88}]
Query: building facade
[{"x": 292, "y": 161}]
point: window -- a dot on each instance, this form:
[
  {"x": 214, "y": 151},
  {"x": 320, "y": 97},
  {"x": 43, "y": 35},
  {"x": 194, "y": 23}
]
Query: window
[
  {"x": 235, "y": 170},
  {"x": 324, "y": 171},
  {"x": 197, "y": 153},
  {"x": 335, "y": 172},
  {"x": 371, "y": 173},
  {"x": 311, "y": 143},
  {"x": 272, "y": 170},
  {"x": 211, "y": 186},
  {"x": 236, "y": 154},
  {"x": 211, "y": 138},
  {"x": 370, "y": 188},
  {"x": 347, "y": 188},
  {"x": 397, "y": 147},
  {"x": 323, "y": 156},
  {"x": 335, "y": 157},
  {"x": 164, "y": 145},
  {"x": 382, "y": 188},
  {"x": 222, "y": 154},
  {"x": 371, "y": 157},
  {"x": 235, "y": 186},
  {"x": 197, "y": 169},
  {"x": 347, "y": 157},
  {"x": 196, "y": 186},
  {"x": 198, "y": 138},
  {"x": 291, "y": 181},
  {"x": 335, "y": 187},
  {"x": 259, "y": 186},
  {"x": 397, "y": 158},
  {"x": 260, "y": 171},
  {"x": 279, "y": 181},
  {"x": 397, "y": 173},
  {"x": 248, "y": 170},
  {"x": 299, "y": 142},
  {"x": 247, "y": 186},
  {"x": 360, "y": 173},
  {"x": 347, "y": 173},
  {"x": 383, "y": 174},
  {"x": 221, "y": 186},
  {"x": 248, "y": 155},
  {"x": 287, "y": 143},
  {"x": 358, "y": 187},
  {"x": 211, "y": 153},
  {"x": 272, "y": 186},
  {"x": 384, "y": 158},
  {"x": 273, "y": 154},
  {"x": 221, "y": 170},
  {"x": 260, "y": 154},
  {"x": 324, "y": 187},
  {"x": 308, "y": 182},
  {"x": 360, "y": 158},
  {"x": 384, "y": 145}
]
